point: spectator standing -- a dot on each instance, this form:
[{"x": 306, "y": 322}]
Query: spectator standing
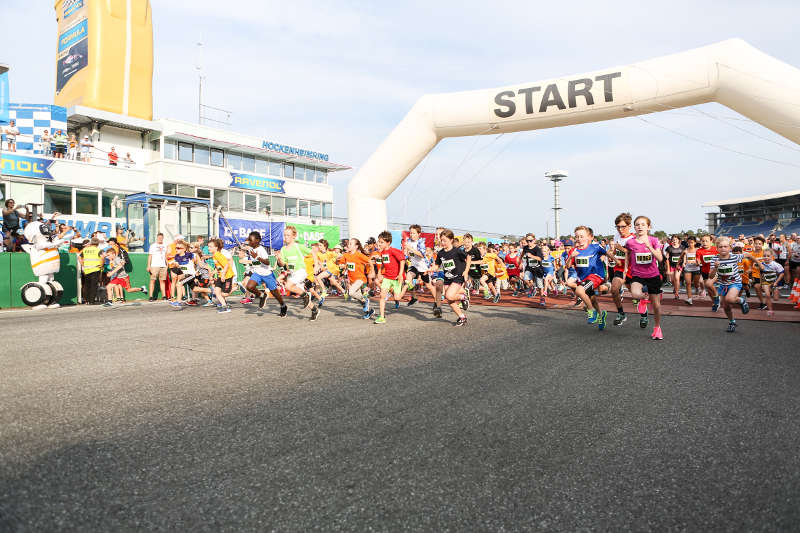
[
  {"x": 60, "y": 142},
  {"x": 45, "y": 140},
  {"x": 72, "y": 148},
  {"x": 11, "y": 224},
  {"x": 91, "y": 264},
  {"x": 86, "y": 146},
  {"x": 122, "y": 239},
  {"x": 11, "y": 135},
  {"x": 157, "y": 266},
  {"x": 113, "y": 157},
  {"x": 127, "y": 162}
]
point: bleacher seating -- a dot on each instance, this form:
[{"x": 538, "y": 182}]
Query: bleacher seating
[
  {"x": 725, "y": 229},
  {"x": 792, "y": 227},
  {"x": 754, "y": 229}
]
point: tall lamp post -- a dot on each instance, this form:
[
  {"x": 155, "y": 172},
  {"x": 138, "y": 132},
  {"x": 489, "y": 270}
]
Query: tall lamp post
[{"x": 556, "y": 176}]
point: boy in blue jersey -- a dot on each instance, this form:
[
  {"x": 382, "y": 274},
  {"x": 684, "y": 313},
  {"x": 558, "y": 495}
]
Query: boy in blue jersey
[{"x": 587, "y": 258}]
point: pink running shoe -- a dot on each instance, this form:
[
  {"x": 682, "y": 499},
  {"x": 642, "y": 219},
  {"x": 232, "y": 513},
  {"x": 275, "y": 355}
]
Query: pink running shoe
[
  {"x": 657, "y": 335},
  {"x": 246, "y": 301},
  {"x": 641, "y": 307}
]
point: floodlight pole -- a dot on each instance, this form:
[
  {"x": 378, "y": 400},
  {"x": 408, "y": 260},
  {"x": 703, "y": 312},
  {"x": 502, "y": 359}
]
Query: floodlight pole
[{"x": 556, "y": 176}]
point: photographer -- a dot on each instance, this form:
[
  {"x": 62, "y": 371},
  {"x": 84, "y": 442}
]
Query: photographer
[{"x": 11, "y": 223}]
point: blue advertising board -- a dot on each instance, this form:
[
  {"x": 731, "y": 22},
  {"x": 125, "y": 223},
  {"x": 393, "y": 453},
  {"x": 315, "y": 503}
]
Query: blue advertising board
[
  {"x": 4, "y": 98},
  {"x": 25, "y": 166},
  {"x": 271, "y": 232},
  {"x": 255, "y": 183}
]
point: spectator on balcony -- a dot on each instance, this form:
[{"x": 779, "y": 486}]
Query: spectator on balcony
[
  {"x": 127, "y": 161},
  {"x": 60, "y": 145},
  {"x": 11, "y": 132},
  {"x": 86, "y": 146},
  {"x": 113, "y": 157},
  {"x": 45, "y": 140},
  {"x": 72, "y": 148}
]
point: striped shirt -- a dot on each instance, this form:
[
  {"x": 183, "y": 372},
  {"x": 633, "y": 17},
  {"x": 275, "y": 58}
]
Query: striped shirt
[{"x": 728, "y": 269}]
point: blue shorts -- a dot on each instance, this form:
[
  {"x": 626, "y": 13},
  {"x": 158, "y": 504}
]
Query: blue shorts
[
  {"x": 723, "y": 289},
  {"x": 268, "y": 280},
  {"x": 439, "y": 274}
]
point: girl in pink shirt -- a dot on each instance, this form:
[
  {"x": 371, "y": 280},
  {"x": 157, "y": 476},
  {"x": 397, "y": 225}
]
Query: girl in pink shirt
[{"x": 644, "y": 253}]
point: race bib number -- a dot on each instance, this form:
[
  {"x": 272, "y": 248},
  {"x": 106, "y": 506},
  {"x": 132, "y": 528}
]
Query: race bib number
[
  {"x": 484, "y": 266},
  {"x": 351, "y": 267},
  {"x": 708, "y": 259},
  {"x": 448, "y": 264},
  {"x": 509, "y": 266},
  {"x": 386, "y": 259},
  {"x": 620, "y": 254},
  {"x": 674, "y": 259},
  {"x": 769, "y": 276},
  {"x": 691, "y": 258},
  {"x": 725, "y": 270},
  {"x": 582, "y": 262},
  {"x": 644, "y": 258}
]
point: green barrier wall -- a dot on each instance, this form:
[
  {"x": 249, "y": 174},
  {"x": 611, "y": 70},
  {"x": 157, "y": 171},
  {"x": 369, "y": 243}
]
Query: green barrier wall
[{"x": 15, "y": 271}]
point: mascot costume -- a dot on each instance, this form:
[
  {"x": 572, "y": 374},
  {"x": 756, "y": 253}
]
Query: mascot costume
[{"x": 45, "y": 262}]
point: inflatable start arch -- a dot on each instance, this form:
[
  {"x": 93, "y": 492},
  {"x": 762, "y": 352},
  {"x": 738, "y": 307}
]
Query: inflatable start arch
[{"x": 731, "y": 72}]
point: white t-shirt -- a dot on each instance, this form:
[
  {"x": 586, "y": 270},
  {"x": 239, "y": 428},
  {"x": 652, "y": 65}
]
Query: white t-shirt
[
  {"x": 795, "y": 251},
  {"x": 159, "y": 255},
  {"x": 11, "y": 133},
  {"x": 260, "y": 268}
]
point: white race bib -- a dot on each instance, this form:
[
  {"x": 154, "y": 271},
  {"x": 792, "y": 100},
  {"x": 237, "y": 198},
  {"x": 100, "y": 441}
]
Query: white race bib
[
  {"x": 582, "y": 262},
  {"x": 644, "y": 258}
]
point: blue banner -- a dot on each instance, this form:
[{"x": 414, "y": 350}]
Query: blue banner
[
  {"x": 25, "y": 167},
  {"x": 73, "y": 35},
  {"x": 4, "y": 98},
  {"x": 271, "y": 232},
  {"x": 71, "y": 6},
  {"x": 255, "y": 183}
]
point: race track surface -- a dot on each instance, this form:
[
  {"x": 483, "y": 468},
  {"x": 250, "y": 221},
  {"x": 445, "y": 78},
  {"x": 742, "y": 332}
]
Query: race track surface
[{"x": 147, "y": 418}]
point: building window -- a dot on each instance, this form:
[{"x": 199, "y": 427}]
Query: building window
[
  {"x": 155, "y": 145},
  {"x": 288, "y": 170},
  {"x": 57, "y": 199},
  {"x": 221, "y": 198},
  {"x": 261, "y": 166},
  {"x": 203, "y": 193},
  {"x": 327, "y": 210},
  {"x": 217, "y": 158},
  {"x": 264, "y": 204},
  {"x": 251, "y": 203},
  {"x": 310, "y": 174},
  {"x": 86, "y": 202},
  {"x": 108, "y": 209},
  {"x": 249, "y": 163},
  {"x": 235, "y": 201},
  {"x": 321, "y": 176},
  {"x": 274, "y": 168},
  {"x": 170, "y": 188},
  {"x": 299, "y": 173},
  {"x": 278, "y": 205},
  {"x": 186, "y": 190},
  {"x": 316, "y": 209},
  {"x": 291, "y": 207},
  {"x": 234, "y": 161},
  {"x": 303, "y": 208},
  {"x": 185, "y": 152},
  {"x": 169, "y": 149},
  {"x": 201, "y": 155}
]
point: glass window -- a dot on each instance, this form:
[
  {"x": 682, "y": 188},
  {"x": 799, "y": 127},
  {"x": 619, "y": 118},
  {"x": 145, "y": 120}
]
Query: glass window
[
  {"x": 278, "y": 205},
  {"x": 309, "y": 174},
  {"x": 203, "y": 193},
  {"x": 291, "y": 207},
  {"x": 109, "y": 210},
  {"x": 155, "y": 145},
  {"x": 249, "y": 163},
  {"x": 303, "y": 208},
  {"x": 288, "y": 170},
  {"x": 58, "y": 199},
  {"x": 321, "y": 176},
  {"x": 316, "y": 209},
  {"x": 86, "y": 202},
  {"x": 299, "y": 172},
  {"x": 221, "y": 198},
  {"x": 169, "y": 150},
  {"x": 274, "y": 168},
  {"x": 186, "y": 190},
  {"x": 251, "y": 202},
  {"x": 24, "y": 193},
  {"x": 234, "y": 161},
  {"x": 264, "y": 204},
  {"x": 327, "y": 210},
  {"x": 235, "y": 201},
  {"x": 185, "y": 152},
  {"x": 201, "y": 155},
  {"x": 261, "y": 166},
  {"x": 217, "y": 158},
  {"x": 170, "y": 188}
]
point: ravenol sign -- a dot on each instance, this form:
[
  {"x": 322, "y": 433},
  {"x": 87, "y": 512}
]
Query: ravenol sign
[
  {"x": 25, "y": 167},
  {"x": 275, "y": 147},
  {"x": 246, "y": 181}
]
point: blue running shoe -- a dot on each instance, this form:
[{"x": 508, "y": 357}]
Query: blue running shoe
[
  {"x": 744, "y": 305},
  {"x": 601, "y": 324},
  {"x": 715, "y": 305},
  {"x": 365, "y": 307},
  {"x": 591, "y": 317},
  {"x": 396, "y": 304}
]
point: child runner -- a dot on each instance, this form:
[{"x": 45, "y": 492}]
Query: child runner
[
  {"x": 706, "y": 255},
  {"x": 771, "y": 275},
  {"x": 118, "y": 279},
  {"x": 724, "y": 270},
  {"x": 674, "y": 251},
  {"x": 644, "y": 253},
  {"x": 757, "y": 251},
  {"x": 620, "y": 275},
  {"x": 475, "y": 264},
  {"x": 587, "y": 257},
  {"x": 532, "y": 255},
  {"x": 292, "y": 256},
  {"x": 549, "y": 270},
  {"x": 262, "y": 273},
  {"x": 184, "y": 263},
  {"x": 357, "y": 265},
  {"x": 418, "y": 262},
  {"x": 326, "y": 268},
  {"x": 393, "y": 262},
  {"x": 454, "y": 264},
  {"x": 512, "y": 268},
  {"x": 223, "y": 285},
  {"x": 691, "y": 268},
  {"x": 489, "y": 269}
]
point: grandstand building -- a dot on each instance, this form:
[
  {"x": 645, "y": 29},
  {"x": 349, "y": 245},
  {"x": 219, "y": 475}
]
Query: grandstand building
[{"x": 764, "y": 214}]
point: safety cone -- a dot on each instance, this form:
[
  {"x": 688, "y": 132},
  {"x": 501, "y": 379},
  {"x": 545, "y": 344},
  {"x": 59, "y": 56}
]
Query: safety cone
[{"x": 795, "y": 295}]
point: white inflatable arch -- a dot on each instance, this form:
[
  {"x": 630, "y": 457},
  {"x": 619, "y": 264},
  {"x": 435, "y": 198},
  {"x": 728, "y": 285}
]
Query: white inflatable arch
[{"x": 731, "y": 72}]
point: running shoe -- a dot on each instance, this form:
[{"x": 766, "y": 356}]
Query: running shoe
[
  {"x": 514, "y": 294},
  {"x": 744, "y": 305},
  {"x": 641, "y": 307},
  {"x": 175, "y": 304},
  {"x": 412, "y": 301},
  {"x": 397, "y": 304},
  {"x": 689, "y": 301},
  {"x": 465, "y": 304},
  {"x": 284, "y": 310},
  {"x": 762, "y": 307},
  {"x": 324, "y": 294},
  {"x": 715, "y": 305},
  {"x": 108, "y": 304},
  {"x": 369, "y": 314},
  {"x": 462, "y": 320},
  {"x": 731, "y": 327},
  {"x": 346, "y": 296},
  {"x": 262, "y": 299},
  {"x": 322, "y": 299},
  {"x": 152, "y": 299},
  {"x": 620, "y": 319},
  {"x": 643, "y": 321},
  {"x": 591, "y": 317},
  {"x": 314, "y": 312},
  {"x": 380, "y": 320},
  {"x": 496, "y": 298},
  {"x": 192, "y": 303},
  {"x": 543, "y": 302},
  {"x": 437, "y": 312},
  {"x": 657, "y": 334},
  {"x": 306, "y": 300},
  {"x": 210, "y": 303},
  {"x": 365, "y": 307},
  {"x": 577, "y": 302},
  {"x": 601, "y": 323},
  {"x": 224, "y": 309},
  {"x": 246, "y": 301},
  {"x": 144, "y": 289}
]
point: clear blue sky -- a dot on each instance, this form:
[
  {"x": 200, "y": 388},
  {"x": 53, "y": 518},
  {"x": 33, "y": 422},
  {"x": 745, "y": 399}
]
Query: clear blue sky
[{"x": 337, "y": 77}]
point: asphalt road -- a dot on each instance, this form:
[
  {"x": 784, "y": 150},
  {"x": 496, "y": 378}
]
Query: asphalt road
[{"x": 147, "y": 418}]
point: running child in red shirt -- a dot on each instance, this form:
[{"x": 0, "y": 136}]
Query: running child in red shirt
[
  {"x": 393, "y": 263},
  {"x": 707, "y": 254}
]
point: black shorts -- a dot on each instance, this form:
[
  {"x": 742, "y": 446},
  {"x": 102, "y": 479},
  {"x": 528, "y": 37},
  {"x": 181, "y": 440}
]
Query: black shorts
[
  {"x": 457, "y": 279},
  {"x": 653, "y": 284},
  {"x": 176, "y": 270},
  {"x": 490, "y": 279},
  {"x": 421, "y": 275},
  {"x": 704, "y": 274},
  {"x": 695, "y": 274},
  {"x": 225, "y": 285},
  {"x": 793, "y": 265}
]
